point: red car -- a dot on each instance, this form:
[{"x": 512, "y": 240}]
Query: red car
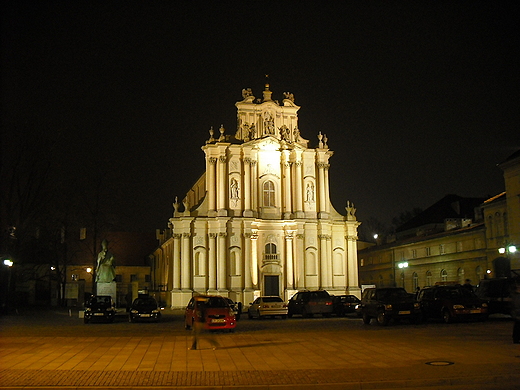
[{"x": 216, "y": 310}]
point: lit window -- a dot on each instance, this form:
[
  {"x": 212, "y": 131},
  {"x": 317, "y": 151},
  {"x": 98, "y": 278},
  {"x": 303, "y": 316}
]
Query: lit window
[{"x": 268, "y": 191}]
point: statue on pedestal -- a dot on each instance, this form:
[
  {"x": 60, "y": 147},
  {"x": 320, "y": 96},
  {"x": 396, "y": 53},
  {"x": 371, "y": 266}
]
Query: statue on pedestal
[{"x": 105, "y": 270}]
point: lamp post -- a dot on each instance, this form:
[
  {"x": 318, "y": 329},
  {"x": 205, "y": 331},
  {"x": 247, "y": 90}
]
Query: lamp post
[{"x": 8, "y": 263}]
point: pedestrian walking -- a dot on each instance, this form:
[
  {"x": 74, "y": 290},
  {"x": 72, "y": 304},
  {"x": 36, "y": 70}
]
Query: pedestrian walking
[
  {"x": 515, "y": 311},
  {"x": 199, "y": 326}
]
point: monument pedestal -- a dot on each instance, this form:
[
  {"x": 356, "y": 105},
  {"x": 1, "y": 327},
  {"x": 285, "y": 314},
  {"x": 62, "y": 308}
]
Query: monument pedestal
[{"x": 107, "y": 289}]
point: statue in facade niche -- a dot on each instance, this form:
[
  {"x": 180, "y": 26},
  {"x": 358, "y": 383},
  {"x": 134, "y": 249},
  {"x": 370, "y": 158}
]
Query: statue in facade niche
[
  {"x": 234, "y": 191},
  {"x": 105, "y": 270},
  {"x": 310, "y": 192}
]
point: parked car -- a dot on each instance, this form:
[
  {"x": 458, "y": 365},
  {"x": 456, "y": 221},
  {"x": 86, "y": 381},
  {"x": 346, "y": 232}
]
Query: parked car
[
  {"x": 217, "y": 313},
  {"x": 308, "y": 303},
  {"x": 99, "y": 307},
  {"x": 389, "y": 303},
  {"x": 144, "y": 308},
  {"x": 451, "y": 303},
  {"x": 236, "y": 306},
  {"x": 344, "y": 304},
  {"x": 267, "y": 306},
  {"x": 496, "y": 293}
]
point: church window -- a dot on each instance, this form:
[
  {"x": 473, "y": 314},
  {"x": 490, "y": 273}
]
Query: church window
[
  {"x": 270, "y": 252},
  {"x": 268, "y": 192}
]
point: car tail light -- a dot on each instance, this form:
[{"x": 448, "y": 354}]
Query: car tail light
[{"x": 328, "y": 303}]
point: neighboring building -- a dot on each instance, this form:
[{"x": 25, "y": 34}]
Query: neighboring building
[
  {"x": 133, "y": 270},
  {"x": 259, "y": 220},
  {"x": 446, "y": 242},
  {"x": 502, "y": 218},
  {"x": 453, "y": 240}
]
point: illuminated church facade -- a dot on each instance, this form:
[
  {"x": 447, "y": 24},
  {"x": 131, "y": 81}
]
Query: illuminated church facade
[{"x": 259, "y": 221}]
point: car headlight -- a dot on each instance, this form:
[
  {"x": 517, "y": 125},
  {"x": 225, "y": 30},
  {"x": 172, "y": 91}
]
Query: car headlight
[
  {"x": 88, "y": 309},
  {"x": 388, "y": 307},
  {"x": 458, "y": 307},
  {"x": 155, "y": 311},
  {"x": 484, "y": 304},
  {"x": 133, "y": 311},
  {"x": 416, "y": 305}
]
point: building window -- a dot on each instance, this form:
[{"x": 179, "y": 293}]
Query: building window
[
  {"x": 270, "y": 252},
  {"x": 147, "y": 278},
  {"x": 428, "y": 278},
  {"x": 442, "y": 249},
  {"x": 415, "y": 280},
  {"x": 459, "y": 246},
  {"x": 134, "y": 278},
  {"x": 414, "y": 253},
  {"x": 268, "y": 191},
  {"x": 119, "y": 278},
  {"x": 428, "y": 251},
  {"x": 460, "y": 274},
  {"x": 444, "y": 275}
]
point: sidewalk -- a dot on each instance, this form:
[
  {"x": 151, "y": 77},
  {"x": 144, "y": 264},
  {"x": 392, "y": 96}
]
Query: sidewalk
[{"x": 359, "y": 359}]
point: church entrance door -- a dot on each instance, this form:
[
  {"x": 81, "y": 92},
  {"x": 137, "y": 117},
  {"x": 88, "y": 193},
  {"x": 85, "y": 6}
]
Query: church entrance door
[{"x": 272, "y": 285}]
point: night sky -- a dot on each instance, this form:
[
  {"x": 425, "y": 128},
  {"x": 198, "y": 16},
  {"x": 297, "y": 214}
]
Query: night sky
[{"x": 417, "y": 99}]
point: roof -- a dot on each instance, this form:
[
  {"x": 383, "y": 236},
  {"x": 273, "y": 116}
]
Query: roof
[{"x": 451, "y": 206}]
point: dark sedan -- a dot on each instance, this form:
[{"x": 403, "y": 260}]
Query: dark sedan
[
  {"x": 144, "y": 308},
  {"x": 451, "y": 303}
]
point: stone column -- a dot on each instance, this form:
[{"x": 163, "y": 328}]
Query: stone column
[
  {"x": 323, "y": 261},
  {"x": 327, "y": 193},
  {"x": 298, "y": 189},
  {"x": 222, "y": 185},
  {"x": 212, "y": 266},
  {"x": 247, "y": 261},
  {"x": 211, "y": 186},
  {"x": 254, "y": 185},
  {"x": 321, "y": 185},
  {"x": 287, "y": 188},
  {"x": 221, "y": 262},
  {"x": 186, "y": 262},
  {"x": 176, "y": 261},
  {"x": 247, "y": 188},
  {"x": 254, "y": 259},
  {"x": 352, "y": 263},
  {"x": 289, "y": 260},
  {"x": 330, "y": 276}
]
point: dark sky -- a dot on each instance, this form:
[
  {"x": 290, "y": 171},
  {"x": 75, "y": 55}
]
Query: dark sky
[{"x": 418, "y": 99}]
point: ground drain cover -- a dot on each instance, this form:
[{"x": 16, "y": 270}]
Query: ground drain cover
[{"x": 440, "y": 363}]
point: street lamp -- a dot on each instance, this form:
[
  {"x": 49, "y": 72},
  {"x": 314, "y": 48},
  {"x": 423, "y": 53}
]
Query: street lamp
[{"x": 8, "y": 263}]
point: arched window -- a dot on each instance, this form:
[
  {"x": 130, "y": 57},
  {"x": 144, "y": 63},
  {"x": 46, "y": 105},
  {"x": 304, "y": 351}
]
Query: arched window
[
  {"x": 444, "y": 275},
  {"x": 428, "y": 278},
  {"x": 268, "y": 192},
  {"x": 415, "y": 280},
  {"x": 270, "y": 252},
  {"x": 460, "y": 275}
]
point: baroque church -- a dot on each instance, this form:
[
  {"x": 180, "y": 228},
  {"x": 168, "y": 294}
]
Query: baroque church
[{"x": 259, "y": 221}]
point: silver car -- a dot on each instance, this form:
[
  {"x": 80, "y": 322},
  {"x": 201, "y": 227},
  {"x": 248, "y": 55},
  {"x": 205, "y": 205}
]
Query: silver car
[{"x": 267, "y": 306}]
